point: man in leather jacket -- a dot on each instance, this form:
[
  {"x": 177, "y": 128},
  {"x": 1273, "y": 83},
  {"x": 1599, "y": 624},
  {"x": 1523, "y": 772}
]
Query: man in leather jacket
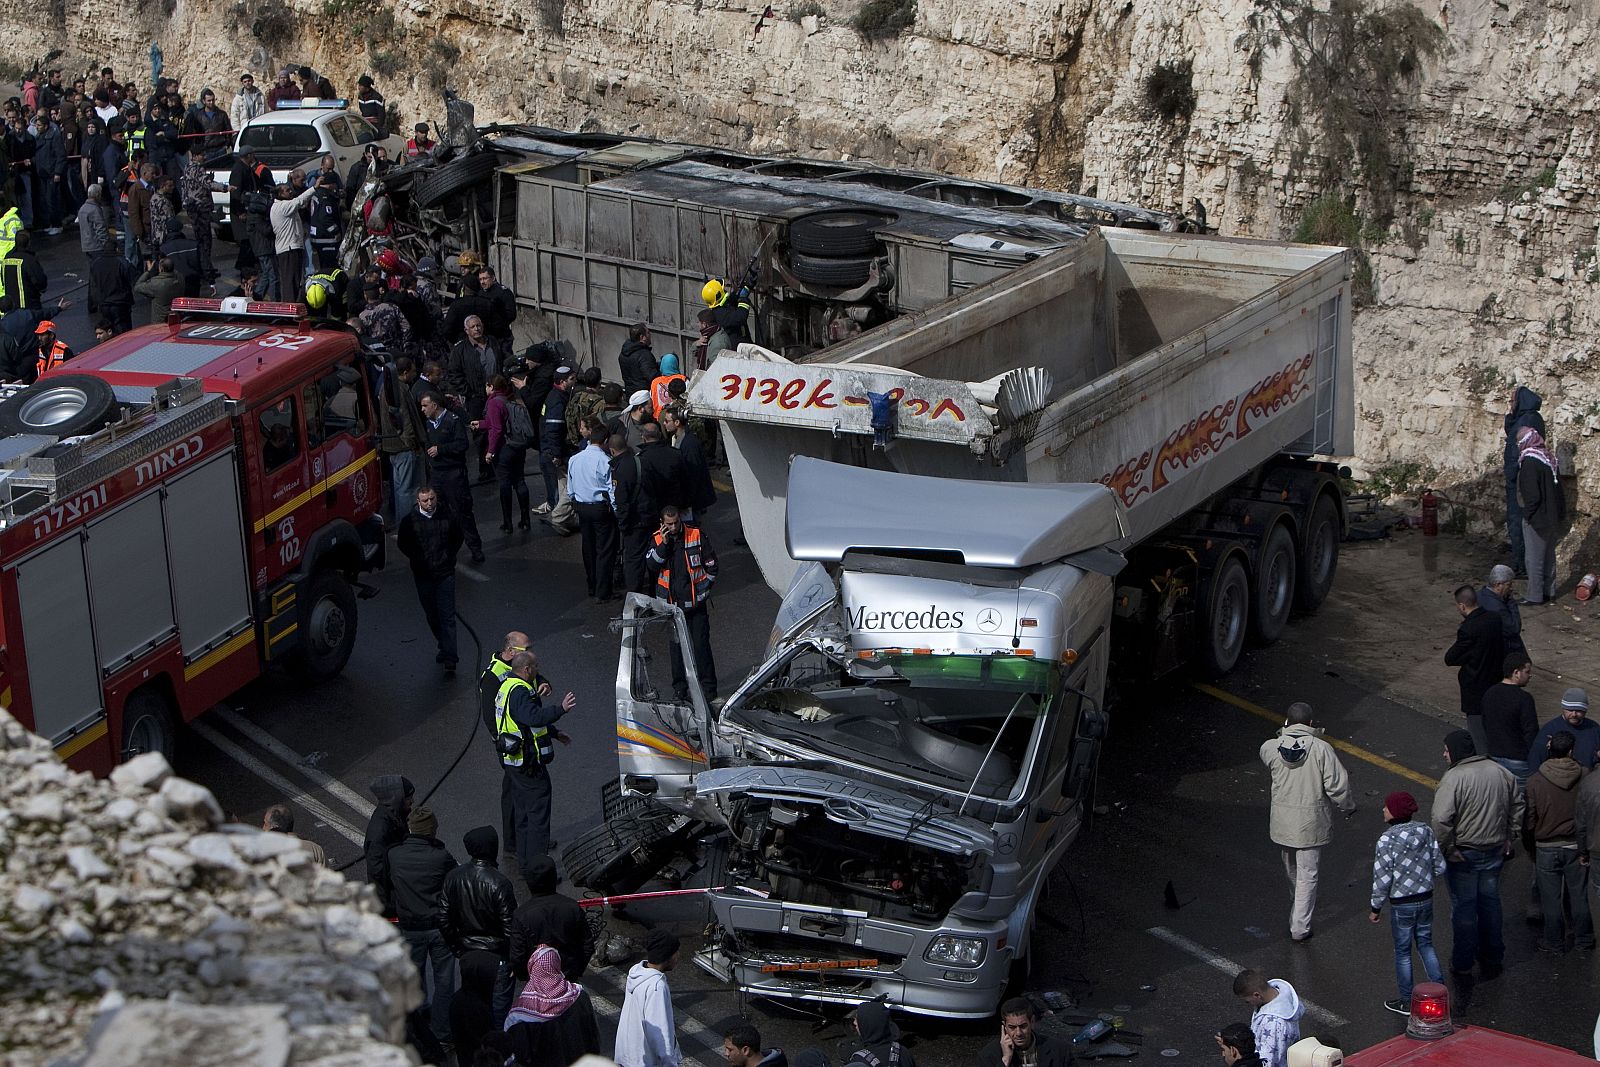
[{"x": 475, "y": 909}]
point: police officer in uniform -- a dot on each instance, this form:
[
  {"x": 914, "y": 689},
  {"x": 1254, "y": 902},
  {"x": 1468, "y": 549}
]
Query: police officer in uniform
[
  {"x": 524, "y": 730},
  {"x": 489, "y": 682}
]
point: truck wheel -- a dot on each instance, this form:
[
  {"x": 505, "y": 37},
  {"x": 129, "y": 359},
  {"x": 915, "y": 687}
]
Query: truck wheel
[
  {"x": 1226, "y": 618},
  {"x": 1274, "y": 587},
  {"x": 455, "y": 177},
  {"x": 822, "y": 270},
  {"x": 65, "y": 405},
  {"x": 148, "y": 725},
  {"x": 1320, "y": 560},
  {"x": 837, "y": 232},
  {"x": 327, "y": 626}
]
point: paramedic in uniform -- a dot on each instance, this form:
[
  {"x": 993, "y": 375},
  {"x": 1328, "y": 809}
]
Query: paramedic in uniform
[
  {"x": 524, "y": 730},
  {"x": 685, "y": 568}
]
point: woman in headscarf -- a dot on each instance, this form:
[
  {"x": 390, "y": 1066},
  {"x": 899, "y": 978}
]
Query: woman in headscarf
[
  {"x": 553, "y": 1020},
  {"x": 1543, "y": 509}
]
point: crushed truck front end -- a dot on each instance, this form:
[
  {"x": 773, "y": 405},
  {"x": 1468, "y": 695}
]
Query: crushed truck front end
[{"x": 899, "y": 776}]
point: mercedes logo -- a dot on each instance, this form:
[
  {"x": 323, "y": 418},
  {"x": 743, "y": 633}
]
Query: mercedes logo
[{"x": 988, "y": 620}]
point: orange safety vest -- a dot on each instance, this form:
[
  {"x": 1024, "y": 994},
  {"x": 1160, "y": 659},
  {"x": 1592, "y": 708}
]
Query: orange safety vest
[
  {"x": 699, "y": 580},
  {"x": 58, "y": 354},
  {"x": 659, "y": 397}
]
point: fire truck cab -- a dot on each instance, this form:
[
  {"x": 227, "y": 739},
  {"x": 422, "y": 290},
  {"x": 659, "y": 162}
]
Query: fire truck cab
[{"x": 181, "y": 507}]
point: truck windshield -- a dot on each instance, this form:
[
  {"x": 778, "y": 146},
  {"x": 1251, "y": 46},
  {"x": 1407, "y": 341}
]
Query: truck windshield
[
  {"x": 281, "y": 137},
  {"x": 951, "y": 721}
]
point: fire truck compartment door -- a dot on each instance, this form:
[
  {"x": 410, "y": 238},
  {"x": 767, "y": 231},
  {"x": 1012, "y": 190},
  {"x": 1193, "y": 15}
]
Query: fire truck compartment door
[
  {"x": 63, "y": 677},
  {"x": 127, "y": 558},
  {"x": 210, "y": 579}
]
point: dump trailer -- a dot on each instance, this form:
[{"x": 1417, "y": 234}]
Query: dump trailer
[
  {"x": 896, "y": 780},
  {"x": 1206, "y": 381}
]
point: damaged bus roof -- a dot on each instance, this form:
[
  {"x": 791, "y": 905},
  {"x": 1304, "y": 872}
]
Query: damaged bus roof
[{"x": 835, "y": 508}]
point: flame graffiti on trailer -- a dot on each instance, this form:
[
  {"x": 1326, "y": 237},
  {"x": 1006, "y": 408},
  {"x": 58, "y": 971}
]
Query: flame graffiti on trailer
[{"x": 1202, "y": 437}]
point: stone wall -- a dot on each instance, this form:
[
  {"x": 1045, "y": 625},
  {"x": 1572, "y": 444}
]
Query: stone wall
[
  {"x": 1483, "y": 271},
  {"x": 130, "y": 913}
]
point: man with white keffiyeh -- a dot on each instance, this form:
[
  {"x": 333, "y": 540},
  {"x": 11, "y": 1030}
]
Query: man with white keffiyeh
[
  {"x": 1543, "y": 509},
  {"x": 552, "y": 1020}
]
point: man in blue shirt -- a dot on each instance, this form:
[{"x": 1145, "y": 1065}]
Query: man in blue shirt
[{"x": 593, "y": 496}]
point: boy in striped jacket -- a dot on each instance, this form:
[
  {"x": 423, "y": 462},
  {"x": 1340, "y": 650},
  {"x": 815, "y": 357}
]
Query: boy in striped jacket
[{"x": 1408, "y": 860}]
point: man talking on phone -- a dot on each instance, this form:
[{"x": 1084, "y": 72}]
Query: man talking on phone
[{"x": 1019, "y": 1044}]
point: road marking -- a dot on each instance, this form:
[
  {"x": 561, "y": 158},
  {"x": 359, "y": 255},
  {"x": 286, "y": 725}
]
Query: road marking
[
  {"x": 266, "y": 741},
  {"x": 1337, "y": 742},
  {"x": 291, "y": 792},
  {"x": 1228, "y": 967},
  {"x": 472, "y": 572}
]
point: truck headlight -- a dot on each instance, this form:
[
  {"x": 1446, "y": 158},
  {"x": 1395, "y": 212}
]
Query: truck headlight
[{"x": 957, "y": 951}]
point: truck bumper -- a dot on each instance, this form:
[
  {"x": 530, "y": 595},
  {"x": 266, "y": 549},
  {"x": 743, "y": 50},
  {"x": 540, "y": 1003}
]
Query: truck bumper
[{"x": 764, "y": 952}]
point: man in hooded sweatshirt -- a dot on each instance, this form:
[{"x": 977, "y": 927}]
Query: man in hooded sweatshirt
[
  {"x": 1476, "y": 811},
  {"x": 880, "y": 1039},
  {"x": 1308, "y": 781},
  {"x": 1549, "y": 825},
  {"x": 386, "y": 829},
  {"x": 475, "y": 909},
  {"x": 1524, "y": 412},
  {"x": 647, "y": 1032},
  {"x": 1276, "y": 1018},
  {"x": 548, "y": 918}
]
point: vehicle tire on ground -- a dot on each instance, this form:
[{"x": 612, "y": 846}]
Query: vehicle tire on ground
[
  {"x": 822, "y": 270},
  {"x": 327, "y": 626},
  {"x": 620, "y": 855},
  {"x": 837, "y": 232},
  {"x": 1319, "y": 559},
  {"x": 1274, "y": 586},
  {"x": 148, "y": 725},
  {"x": 456, "y": 176},
  {"x": 1225, "y": 617},
  {"x": 63, "y": 406}
]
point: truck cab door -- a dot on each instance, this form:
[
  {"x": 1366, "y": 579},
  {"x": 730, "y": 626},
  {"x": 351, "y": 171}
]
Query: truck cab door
[
  {"x": 338, "y": 422},
  {"x": 662, "y": 742},
  {"x": 281, "y": 482}
]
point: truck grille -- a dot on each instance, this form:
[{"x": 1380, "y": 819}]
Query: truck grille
[{"x": 788, "y": 950}]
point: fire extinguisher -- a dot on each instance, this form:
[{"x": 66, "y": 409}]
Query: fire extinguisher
[{"x": 1430, "y": 514}]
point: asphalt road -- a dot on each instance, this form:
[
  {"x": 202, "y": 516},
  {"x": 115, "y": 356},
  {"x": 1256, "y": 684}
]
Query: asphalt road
[{"x": 1181, "y": 795}]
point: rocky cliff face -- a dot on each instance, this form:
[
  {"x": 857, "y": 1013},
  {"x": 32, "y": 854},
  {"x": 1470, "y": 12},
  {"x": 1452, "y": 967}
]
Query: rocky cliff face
[{"x": 1453, "y": 142}]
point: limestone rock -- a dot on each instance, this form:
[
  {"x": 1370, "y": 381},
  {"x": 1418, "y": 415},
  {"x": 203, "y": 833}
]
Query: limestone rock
[
  {"x": 86, "y": 864},
  {"x": 165, "y": 1034},
  {"x": 142, "y": 774},
  {"x": 187, "y": 802}
]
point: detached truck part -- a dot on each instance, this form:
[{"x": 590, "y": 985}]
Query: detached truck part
[
  {"x": 900, "y": 775},
  {"x": 1204, "y": 380}
]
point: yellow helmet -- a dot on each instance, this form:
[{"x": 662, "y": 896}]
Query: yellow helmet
[
  {"x": 316, "y": 295},
  {"x": 713, "y": 293}
]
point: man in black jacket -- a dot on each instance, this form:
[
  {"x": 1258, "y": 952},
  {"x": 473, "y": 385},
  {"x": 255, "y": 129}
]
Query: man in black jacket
[
  {"x": 637, "y": 362},
  {"x": 447, "y": 455},
  {"x": 548, "y": 918},
  {"x": 185, "y": 255},
  {"x": 472, "y": 361},
  {"x": 553, "y": 438},
  {"x": 418, "y": 867},
  {"x": 635, "y": 521},
  {"x": 111, "y": 280},
  {"x": 1544, "y": 508},
  {"x": 430, "y": 537},
  {"x": 1021, "y": 1042},
  {"x": 505, "y": 307},
  {"x": 471, "y": 301},
  {"x": 661, "y": 477},
  {"x": 699, "y": 493},
  {"x": 533, "y": 374},
  {"x": 475, "y": 909},
  {"x": 386, "y": 829},
  {"x": 1479, "y": 651}
]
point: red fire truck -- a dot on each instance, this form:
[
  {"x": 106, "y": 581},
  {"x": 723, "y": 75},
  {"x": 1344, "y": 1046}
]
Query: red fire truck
[{"x": 181, "y": 507}]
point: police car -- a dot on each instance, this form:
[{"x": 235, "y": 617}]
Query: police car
[{"x": 299, "y": 134}]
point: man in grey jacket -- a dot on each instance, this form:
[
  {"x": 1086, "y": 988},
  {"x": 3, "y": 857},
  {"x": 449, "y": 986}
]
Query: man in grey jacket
[
  {"x": 1476, "y": 812},
  {"x": 1308, "y": 782}
]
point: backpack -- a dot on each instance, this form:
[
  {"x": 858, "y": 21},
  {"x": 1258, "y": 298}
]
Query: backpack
[
  {"x": 519, "y": 427},
  {"x": 258, "y": 203}
]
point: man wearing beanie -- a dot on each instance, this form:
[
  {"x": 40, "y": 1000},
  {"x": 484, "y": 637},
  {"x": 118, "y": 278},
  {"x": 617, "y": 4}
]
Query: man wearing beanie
[
  {"x": 417, "y": 870},
  {"x": 647, "y": 1033},
  {"x": 1550, "y": 824},
  {"x": 1477, "y": 809},
  {"x": 475, "y": 909},
  {"x": 386, "y": 829},
  {"x": 1408, "y": 860},
  {"x": 1574, "y": 719}
]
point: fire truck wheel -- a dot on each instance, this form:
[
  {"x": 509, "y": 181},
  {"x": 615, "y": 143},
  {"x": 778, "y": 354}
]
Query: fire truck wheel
[
  {"x": 148, "y": 725},
  {"x": 64, "y": 406},
  {"x": 327, "y": 625}
]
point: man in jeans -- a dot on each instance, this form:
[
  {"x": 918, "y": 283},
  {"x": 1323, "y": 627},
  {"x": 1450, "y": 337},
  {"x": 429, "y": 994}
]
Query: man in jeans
[
  {"x": 1550, "y": 823},
  {"x": 1408, "y": 860},
  {"x": 1307, "y": 782},
  {"x": 417, "y": 869},
  {"x": 1476, "y": 810}
]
